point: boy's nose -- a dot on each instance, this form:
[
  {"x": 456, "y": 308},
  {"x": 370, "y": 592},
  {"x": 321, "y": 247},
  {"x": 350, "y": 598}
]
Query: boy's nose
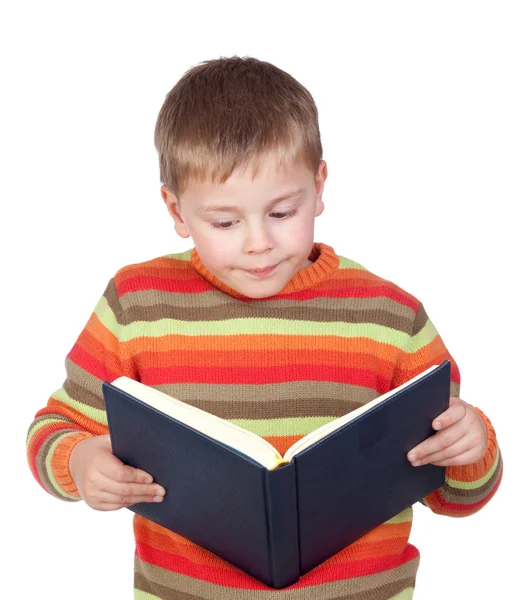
[{"x": 258, "y": 239}]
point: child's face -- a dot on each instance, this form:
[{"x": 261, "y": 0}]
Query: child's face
[{"x": 252, "y": 232}]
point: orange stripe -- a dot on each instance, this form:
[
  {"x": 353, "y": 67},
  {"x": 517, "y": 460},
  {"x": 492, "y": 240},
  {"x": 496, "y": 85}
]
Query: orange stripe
[
  {"x": 165, "y": 268},
  {"x": 176, "y": 358},
  {"x": 159, "y": 538},
  {"x": 385, "y": 540},
  {"x": 60, "y": 462},
  {"x": 431, "y": 354},
  {"x": 468, "y": 473},
  {"x": 55, "y": 407},
  {"x": 106, "y": 349},
  {"x": 282, "y": 442},
  {"x": 245, "y": 342}
]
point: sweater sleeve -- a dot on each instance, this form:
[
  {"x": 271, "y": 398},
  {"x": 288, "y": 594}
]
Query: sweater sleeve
[
  {"x": 467, "y": 488},
  {"x": 77, "y": 410}
]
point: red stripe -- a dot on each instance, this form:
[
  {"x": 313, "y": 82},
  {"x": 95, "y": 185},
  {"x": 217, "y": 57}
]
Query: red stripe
[
  {"x": 462, "y": 510},
  {"x": 235, "y": 578},
  {"x": 222, "y": 375},
  {"x": 197, "y": 285},
  {"x": 142, "y": 283},
  {"x": 353, "y": 292},
  {"x": 90, "y": 364}
]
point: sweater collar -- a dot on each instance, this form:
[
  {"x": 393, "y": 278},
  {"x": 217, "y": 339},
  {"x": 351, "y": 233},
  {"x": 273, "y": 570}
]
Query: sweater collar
[{"x": 324, "y": 263}]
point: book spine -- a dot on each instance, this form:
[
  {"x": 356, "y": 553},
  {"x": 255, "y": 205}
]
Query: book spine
[{"x": 282, "y": 523}]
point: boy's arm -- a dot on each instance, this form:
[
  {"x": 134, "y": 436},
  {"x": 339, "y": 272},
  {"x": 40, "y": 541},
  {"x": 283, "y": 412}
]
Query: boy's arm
[
  {"x": 77, "y": 410},
  {"x": 469, "y": 487}
]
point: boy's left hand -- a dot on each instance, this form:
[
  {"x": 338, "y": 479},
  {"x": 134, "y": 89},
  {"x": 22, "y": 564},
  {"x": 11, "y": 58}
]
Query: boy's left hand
[{"x": 460, "y": 439}]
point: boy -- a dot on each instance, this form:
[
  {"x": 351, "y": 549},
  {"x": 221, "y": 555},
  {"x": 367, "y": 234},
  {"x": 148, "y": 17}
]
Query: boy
[{"x": 256, "y": 324}]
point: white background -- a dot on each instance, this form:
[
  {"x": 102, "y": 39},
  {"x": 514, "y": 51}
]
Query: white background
[{"x": 419, "y": 107}]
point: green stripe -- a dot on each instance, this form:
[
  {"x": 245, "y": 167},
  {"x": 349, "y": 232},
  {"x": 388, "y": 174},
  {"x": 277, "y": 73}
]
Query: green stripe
[
  {"x": 422, "y": 338},
  {"x": 405, "y": 595},
  {"x": 186, "y": 255},
  {"x": 48, "y": 461},
  {"x": 282, "y": 427},
  {"x": 472, "y": 485},
  {"x": 106, "y": 315},
  {"x": 346, "y": 263},
  {"x": 41, "y": 424},
  {"x": 95, "y": 414},
  {"x": 403, "y": 517},
  {"x": 139, "y": 595},
  {"x": 259, "y": 327}
]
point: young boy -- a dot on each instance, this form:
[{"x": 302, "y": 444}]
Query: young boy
[{"x": 257, "y": 324}]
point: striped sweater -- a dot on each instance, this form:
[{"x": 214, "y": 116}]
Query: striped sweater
[{"x": 333, "y": 339}]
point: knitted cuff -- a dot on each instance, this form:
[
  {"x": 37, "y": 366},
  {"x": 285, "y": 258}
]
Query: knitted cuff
[
  {"x": 477, "y": 470},
  {"x": 60, "y": 462}
]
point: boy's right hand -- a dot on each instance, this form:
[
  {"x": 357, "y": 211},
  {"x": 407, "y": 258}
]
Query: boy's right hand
[{"x": 104, "y": 482}]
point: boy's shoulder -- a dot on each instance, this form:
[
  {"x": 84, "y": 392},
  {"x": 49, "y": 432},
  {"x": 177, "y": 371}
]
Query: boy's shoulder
[
  {"x": 168, "y": 266},
  {"x": 177, "y": 267},
  {"x": 166, "y": 260},
  {"x": 373, "y": 285}
]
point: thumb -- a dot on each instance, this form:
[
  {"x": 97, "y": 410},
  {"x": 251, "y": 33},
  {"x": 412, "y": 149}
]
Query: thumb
[{"x": 128, "y": 474}]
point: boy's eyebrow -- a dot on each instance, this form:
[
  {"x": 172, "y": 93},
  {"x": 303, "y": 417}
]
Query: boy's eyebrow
[{"x": 218, "y": 208}]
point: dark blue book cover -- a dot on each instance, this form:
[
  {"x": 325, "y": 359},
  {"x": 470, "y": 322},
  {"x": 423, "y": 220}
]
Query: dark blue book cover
[{"x": 278, "y": 524}]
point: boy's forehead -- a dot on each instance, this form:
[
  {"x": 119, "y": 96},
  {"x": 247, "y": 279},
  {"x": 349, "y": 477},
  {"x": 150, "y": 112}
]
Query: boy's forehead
[
  {"x": 271, "y": 182},
  {"x": 206, "y": 208}
]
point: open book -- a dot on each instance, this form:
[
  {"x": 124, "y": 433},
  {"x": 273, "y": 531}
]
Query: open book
[
  {"x": 229, "y": 489},
  {"x": 232, "y": 435}
]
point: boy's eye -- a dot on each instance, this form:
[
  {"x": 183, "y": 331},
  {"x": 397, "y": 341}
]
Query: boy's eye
[
  {"x": 222, "y": 225},
  {"x": 277, "y": 215}
]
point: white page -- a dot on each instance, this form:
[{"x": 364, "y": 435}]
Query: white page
[
  {"x": 215, "y": 427},
  {"x": 326, "y": 429}
]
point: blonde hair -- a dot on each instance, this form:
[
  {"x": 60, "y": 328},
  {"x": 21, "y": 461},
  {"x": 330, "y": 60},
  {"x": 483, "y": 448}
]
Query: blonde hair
[{"x": 229, "y": 113}]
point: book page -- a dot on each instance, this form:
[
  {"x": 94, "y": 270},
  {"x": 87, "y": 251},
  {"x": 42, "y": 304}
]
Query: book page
[
  {"x": 227, "y": 433},
  {"x": 326, "y": 429}
]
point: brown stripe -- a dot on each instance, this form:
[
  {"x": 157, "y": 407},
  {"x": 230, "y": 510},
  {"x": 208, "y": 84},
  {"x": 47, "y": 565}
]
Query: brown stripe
[
  {"x": 458, "y": 496},
  {"x": 41, "y": 466},
  {"x": 80, "y": 386},
  {"x": 454, "y": 389},
  {"x": 214, "y": 299},
  {"x": 169, "y": 585},
  {"x": 420, "y": 321},
  {"x": 50, "y": 416},
  {"x": 380, "y": 311},
  {"x": 112, "y": 297},
  {"x": 291, "y": 399}
]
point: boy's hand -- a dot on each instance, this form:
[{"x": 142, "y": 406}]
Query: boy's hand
[
  {"x": 104, "y": 482},
  {"x": 461, "y": 438}
]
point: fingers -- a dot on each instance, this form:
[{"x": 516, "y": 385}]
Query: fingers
[
  {"x": 107, "y": 494},
  {"x": 115, "y": 485},
  {"x": 456, "y": 412},
  {"x": 435, "y": 444},
  {"x": 128, "y": 490},
  {"x": 110, "y": 501},
  {"x": 104, "y": 482},
  {"x": 442, "y": 452},
  {"x": 128, "y": 474},
  {"x": 461, "y": 438},
  {"x": 115, "y": 470}
]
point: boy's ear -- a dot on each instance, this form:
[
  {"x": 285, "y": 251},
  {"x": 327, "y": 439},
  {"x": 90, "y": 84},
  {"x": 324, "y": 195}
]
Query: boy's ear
[
  {"x": 319, "y": 184},
  {"x": 172, "y": 204}
]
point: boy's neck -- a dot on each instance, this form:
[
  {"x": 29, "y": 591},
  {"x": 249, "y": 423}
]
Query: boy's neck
[{"x": 321, "y": 263}]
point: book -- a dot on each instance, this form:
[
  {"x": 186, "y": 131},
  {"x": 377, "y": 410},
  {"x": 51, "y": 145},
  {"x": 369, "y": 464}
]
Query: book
[{"x": 277, "y": 517}]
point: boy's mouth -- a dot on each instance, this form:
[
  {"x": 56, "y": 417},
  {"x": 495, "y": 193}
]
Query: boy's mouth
[{"x": 263, "y": 271}]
